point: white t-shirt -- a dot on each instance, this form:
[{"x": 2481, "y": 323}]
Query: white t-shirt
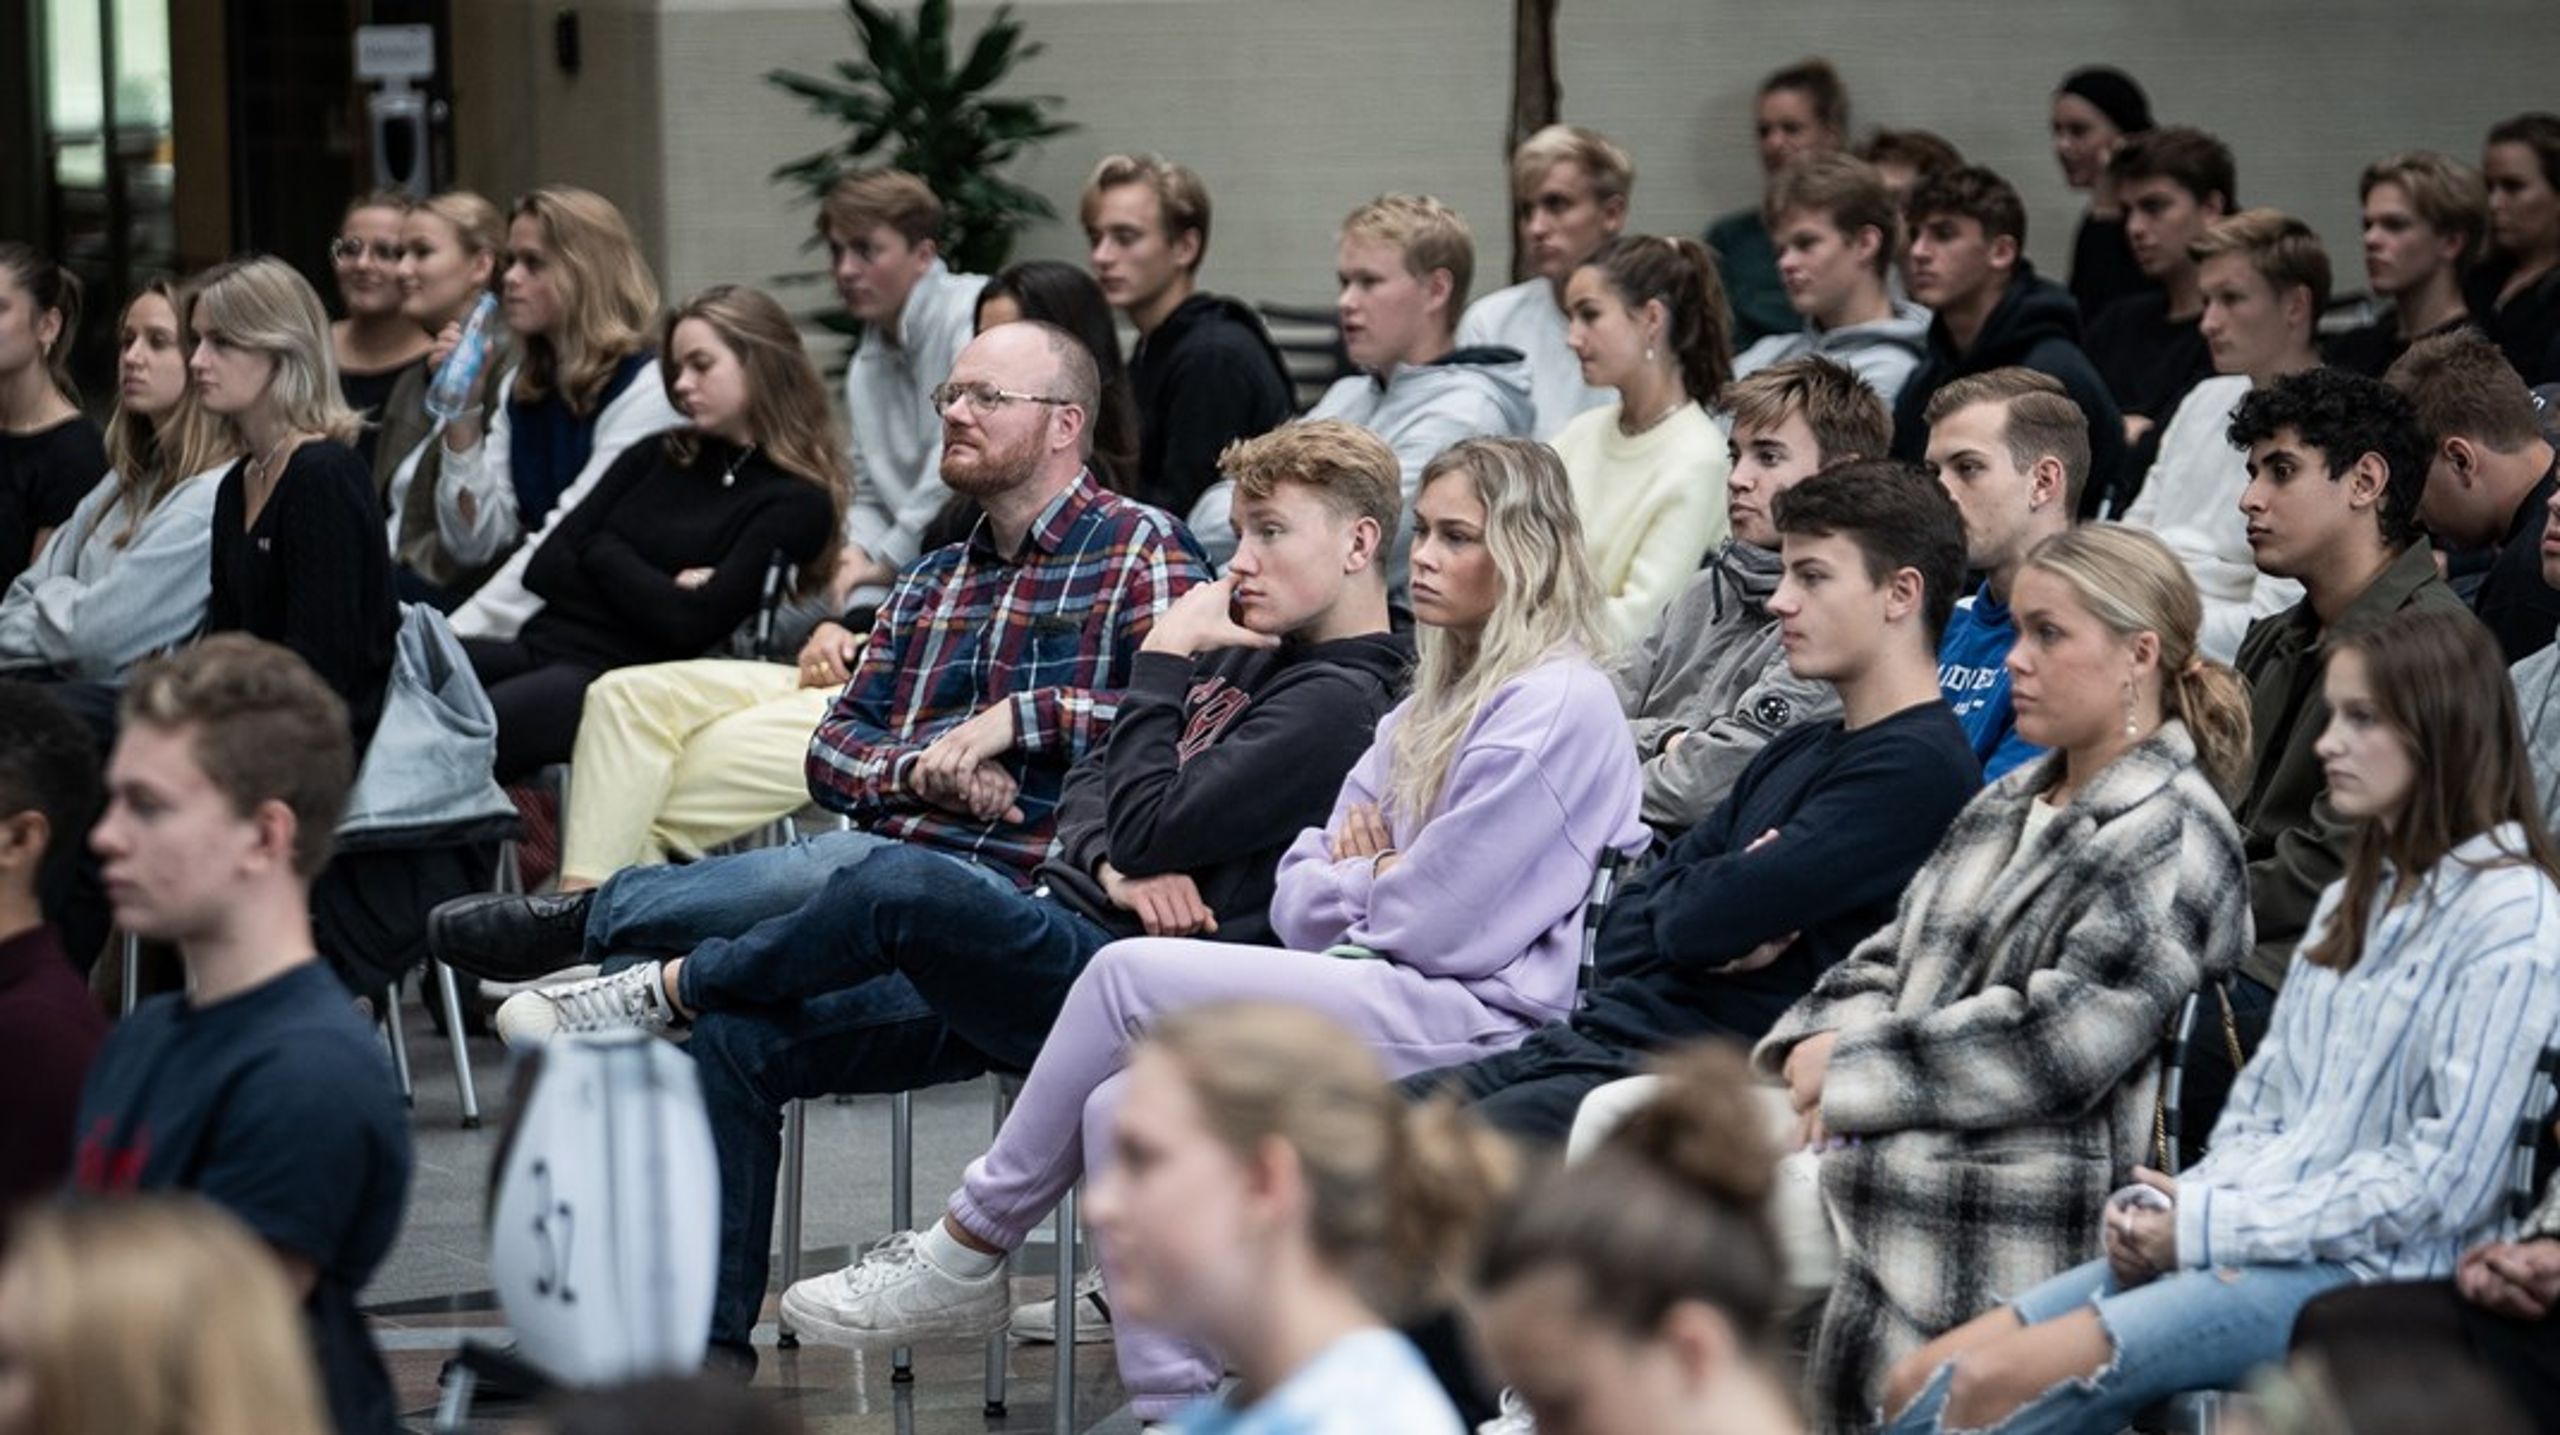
[{"x": 1369, "y": 1381}]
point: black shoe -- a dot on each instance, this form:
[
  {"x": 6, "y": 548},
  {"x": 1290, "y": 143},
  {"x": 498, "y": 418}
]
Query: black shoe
[{"x": 506, "y": 938}]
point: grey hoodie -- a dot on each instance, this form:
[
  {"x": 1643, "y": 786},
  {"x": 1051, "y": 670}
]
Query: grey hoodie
[
  {"x": 1883, "y": 353},
  {"x": 2537, "y": 681},
  {"x": 1420, "y": 409},
  {"x": 1711, "y": 667}
]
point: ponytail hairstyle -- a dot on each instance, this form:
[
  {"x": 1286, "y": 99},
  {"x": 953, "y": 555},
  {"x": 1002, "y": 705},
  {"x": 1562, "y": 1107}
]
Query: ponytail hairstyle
[
  {"x": 2131, "y": 583},
  {"x": 2442, "y": 686},
  {"x": 1671, "y": 1207},
  {"x": 1549, "y": 603},
  {"x": 265, "y": 304},
  {"x": 151, "y": 457},
  {"x": 1396, "y": 1191},
  {"x": 608, "y": 298},
  {"x": 50, "y": 289},
  {"x": 1681, "y": 275},
  {"x": 787, "y": 409}
]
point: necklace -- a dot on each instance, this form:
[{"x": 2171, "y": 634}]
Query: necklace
[
  {"x": 1649, "y": 425},
  {"x": 266, "y": 465},
  {"x": 729, "y": 475}
]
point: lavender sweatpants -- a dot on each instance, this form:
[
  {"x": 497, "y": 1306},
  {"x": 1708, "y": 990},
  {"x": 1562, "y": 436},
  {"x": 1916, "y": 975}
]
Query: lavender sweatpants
[{"x": 1061, "y": 1125}]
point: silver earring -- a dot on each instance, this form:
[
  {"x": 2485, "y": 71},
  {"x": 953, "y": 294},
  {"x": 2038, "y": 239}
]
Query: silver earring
[
  {"x": 1648, "y": 353},
  {"x": 2131, "y": 727}
]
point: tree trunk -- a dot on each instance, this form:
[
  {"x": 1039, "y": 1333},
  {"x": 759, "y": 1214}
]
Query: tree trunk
[{"x": 1535, "y": 93}]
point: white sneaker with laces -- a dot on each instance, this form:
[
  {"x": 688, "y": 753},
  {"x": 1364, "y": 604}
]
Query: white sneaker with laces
[
  {"x": 895, "y": 1296},
  {"x": 1036, "y": 1322},
  {"x": 633, "y": 999}
]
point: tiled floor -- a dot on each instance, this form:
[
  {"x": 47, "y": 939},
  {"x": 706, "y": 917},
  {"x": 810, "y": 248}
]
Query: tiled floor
[{"x": 433, "y": 1291}]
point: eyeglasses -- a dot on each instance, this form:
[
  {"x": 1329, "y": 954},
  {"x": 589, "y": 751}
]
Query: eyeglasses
[
  {"x": 347, "y": 249},
  {"x": 987, "y": 398}
]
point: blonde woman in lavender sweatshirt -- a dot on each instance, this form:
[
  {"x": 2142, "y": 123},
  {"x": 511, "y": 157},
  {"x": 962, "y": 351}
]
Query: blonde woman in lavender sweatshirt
[
  {"x": 1435, "y": 914},
  {"x": 2369, "y": 1137}
]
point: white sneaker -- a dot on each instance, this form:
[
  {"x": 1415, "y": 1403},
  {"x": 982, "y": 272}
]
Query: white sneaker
[
  {"x": 894, "y": 1296},
  {"x": 1036, "y": 1322},
  {"x": 498, "y": 992},
  {"x": 633, "y": 999}
]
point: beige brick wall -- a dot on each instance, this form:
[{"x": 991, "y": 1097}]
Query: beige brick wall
[{"x": 1297, "y": 109}]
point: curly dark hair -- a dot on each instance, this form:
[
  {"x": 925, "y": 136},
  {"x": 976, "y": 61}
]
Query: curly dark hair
[{"x": 2346, "y": 416}]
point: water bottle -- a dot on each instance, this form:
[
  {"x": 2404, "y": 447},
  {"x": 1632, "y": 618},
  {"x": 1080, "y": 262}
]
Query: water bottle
[{"x": 451, "y": 393}]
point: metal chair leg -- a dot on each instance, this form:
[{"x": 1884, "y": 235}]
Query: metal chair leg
[
  {"x": 998, "y": 1344},
  {"x": 1063, "y": 1421},
  {"x": 902, "y": 1201},
  {"x": 129, "y": 948},
  {"x": 795, "y": 1140},
  {"x": 389, "y": 1010},
  {"x": 450, "y": 997}
]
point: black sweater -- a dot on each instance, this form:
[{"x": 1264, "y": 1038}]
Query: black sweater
[
  {"x": 2521, "y": 611},
  {"x": 311, "y": 574},
  {"x": 607, "y": 574},
  {"x": 1856, "y": 814},
  {"x": 1213, "y": 767},
  {"x": 43, "y": 476},
  {"x": 1207, "y": 376}
]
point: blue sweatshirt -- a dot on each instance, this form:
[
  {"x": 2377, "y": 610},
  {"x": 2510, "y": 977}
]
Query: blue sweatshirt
[
  {"x": 1833, "y": 875},
  {"x": 1973, "y": 671}
]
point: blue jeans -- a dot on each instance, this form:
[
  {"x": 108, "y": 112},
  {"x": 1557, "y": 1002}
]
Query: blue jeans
[
  {"x": 668, "y": 911},
  {"x": 2195, "y": 1330},
  {"x": 902, "y": 973}
]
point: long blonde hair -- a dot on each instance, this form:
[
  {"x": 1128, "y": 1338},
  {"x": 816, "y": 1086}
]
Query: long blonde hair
[
  {"x": 787, "y": 409},
  {"x": 1549, "y": 602},
  {"x": 1396, "y": 1190},
  {"x": 262, "y": 303},
  {"x": 159, "y": 1315},
  {"x": 608, "y": 297},
  {"x": 151, "y": 457},
  {"x": 2131, "y": 583}
]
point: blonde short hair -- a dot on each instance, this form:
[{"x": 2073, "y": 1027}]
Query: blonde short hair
[
  {"x": 1611, "y": 172},
  {"x": 1428, "y": 233},
  {"x": 1182, "y": 201},
  {"x": 262, "y": 303}
]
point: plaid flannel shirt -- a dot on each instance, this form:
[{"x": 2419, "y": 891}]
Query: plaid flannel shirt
[{"x": 1052, "y": 629}]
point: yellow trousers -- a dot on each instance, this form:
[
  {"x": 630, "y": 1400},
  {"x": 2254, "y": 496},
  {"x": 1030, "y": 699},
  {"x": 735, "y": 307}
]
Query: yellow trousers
[{"x": 680, "y": 757}]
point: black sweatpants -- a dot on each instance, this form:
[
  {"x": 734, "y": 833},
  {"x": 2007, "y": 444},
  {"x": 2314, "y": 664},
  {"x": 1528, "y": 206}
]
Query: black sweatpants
[
  {"x": 1532, "y": 1091},
  {"x": 538, "y": 701}
]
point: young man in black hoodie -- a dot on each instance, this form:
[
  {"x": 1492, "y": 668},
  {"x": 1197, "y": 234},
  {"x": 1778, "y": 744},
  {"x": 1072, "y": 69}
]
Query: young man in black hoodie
[
  {"x": 2490, "y": 479},
  {"x": 1205, "y": 371},
  {"x": 1793, "y": 868},
  {"x": 1967, "y": 261},
  {"x": 1249, "y": 702}
]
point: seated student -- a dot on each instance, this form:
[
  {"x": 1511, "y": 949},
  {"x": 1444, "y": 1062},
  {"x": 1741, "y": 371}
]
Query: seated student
[
  {"x": 1641, "y": 1290},
  {"x": 2426, "y": 219},
  {"x": 50, "y": 1027},
  {"x": 882, "y": 229},
  {"x": 1790, "y": 871},
  {"x": 1233, "y": 735},
  {"x": 452, "y": 251},
  {"x": 1205, "y": 372},
  {"x": 1967, "y": 262},
  {"x": 2095, "y": 109},
  {"x": 51, "y": 454},
  {"x": 2265, "y": 280},
  {"x": 258, "y": 1087},
  {"x": 1435, "y": 912},
  {"x": 374, "y": 344},
  {"x": 2174, "y": 184},
  {"x": 582, "y": 307},
  {"x": 127, "y": 574},
  {"x": 2370, "y": 1138},
  {"x": 2336, "y": 466},
  {"x": 1648, "y": 471},
  {"x": 1270, "y": 1122},
  {"x": 1838, "y": 230},
  {"x": 297, "y": 537},
  {"x": 2490, "y": 477},
  {"x": 2014, "y": 451},
  {"x": 1900, "y": 158},
  {"x": 1569, "y": 192},
  {"x": 2515, "y": 293},
  {"x": 1404, "y": 263},
  {"x": 1801, "y": 109},
  {"x": 2537, "y": 682},
  {"x": 667, "y": 554},
  {"x": 995, "y": 665},
  {"x": 1977, "y": 1075},
  {"x": 1709, "y": 685},
  {"x": 155, "y": 1313}
]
